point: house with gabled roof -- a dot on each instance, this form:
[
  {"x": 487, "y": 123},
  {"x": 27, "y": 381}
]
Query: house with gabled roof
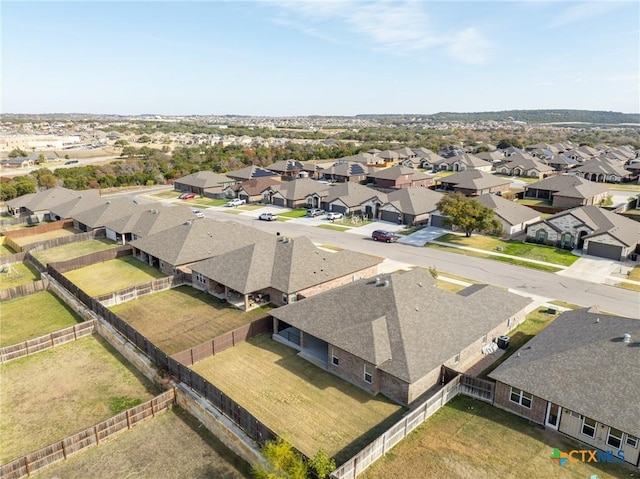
[
  {"x": 603, "y": 169},
  {"x": 410, "y": 206},
  {"x": 250, "y": 173},
  {"x": 523, "y": 165},
  {"x": 473, "y": 183},
  {"x": 279, "y": 271},
  {"x": 75, "y": 206},
  {"x": 567, "y": 191},
  {"x": 399, "y": 177},
  {"x": 513, "y": 217},
  {"x": 366, "y": 158},
  {"x": 204, "y": 183},
  {"x": 195, "y": 240},
  {"x": 430, "y": 161},
  {"x": 298, "y": 193},
  {"x": 491, "y": 156},
  {"x": 391, "y": 335},
  {"x": 349, "y": 198},
  {"x": 105, "y": 212},
  {"x": 463, "y": 162},
  {"x": 596, "y": 231},
  {"x": 561, "y": 162},
  {"x": 579, "y": 376},
  {"x": 39, "y": 204},
  {"x": 287, "y": 168},
  {"x": 253, "y": 191},
  {"x": 343, "y": 171}
]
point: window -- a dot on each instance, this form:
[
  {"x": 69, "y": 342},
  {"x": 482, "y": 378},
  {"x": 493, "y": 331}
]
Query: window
[
  {"x": 575, "y": 414},
  {"x": 456, "y": 359},
  {"x": 335, "y": 361},
  {"x": 200, "y": 278},
  {"x": 284, "y": 298},
  {"x": 541, "y": 236},
  {"x": 518, "y": 396},
  {"x": 614, "y": 438},
  {"x": 588, "y": 427},
  {"x": 631, "y": 441},
  {"x": 368, "y": 373}
]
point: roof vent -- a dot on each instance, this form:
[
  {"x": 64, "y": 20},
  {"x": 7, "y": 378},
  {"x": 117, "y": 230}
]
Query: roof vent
[
  {"x": 420, "y": 283},
  {"x": 386, "y": 283},
  {"x": 597, "y": 320},
  {"x": 626, "y": 338},
  {"x": 377, "y": 280}
]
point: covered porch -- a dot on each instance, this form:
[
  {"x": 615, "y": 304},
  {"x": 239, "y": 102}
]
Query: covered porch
[{"x": 310, "y": 348}]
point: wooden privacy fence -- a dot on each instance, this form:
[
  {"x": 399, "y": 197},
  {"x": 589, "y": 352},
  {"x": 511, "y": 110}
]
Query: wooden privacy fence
[
  {"x": 23, "y": 290},
  {"x": 396, "y": 433},
  {"x": 48, "y": 341},
  {"x": 12, "y": 258},
  {"x": 89, "y": 259},
  {"x": 477, "y": 388},
  {"x": 41, "y": 228},
  {"x": 133, "y": 292},
  {"x": 25, "y": 220},
  {"x": 224, "y": 341},
  {"x": 75, "y": 238},
  {"x": 93, "y": 436},
  {"x": 35, "y": 262}
]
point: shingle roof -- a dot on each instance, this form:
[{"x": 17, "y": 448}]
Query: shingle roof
[
  {"x": 568, "y": 185},
  {"x": 510, "y": 211},
  {"x": 407, "y": 328},
  {"x": 251, "y": 172},
  {"x": 110, "y": 210},
  {"x": 258, "y": 185},
  {"x": 470, "y": 161},
  {"x": 352, "y": 194},
  {"x": 288, "y": 266},
  {"x": 580, "y": 363},
  {"x": 526, "y": 162},
  {"x": 78, "y": 204},
  {"x": 300, "y": 188},
  {"x": 204, "y": 179},
  {"x": 395, "y": 172},
  {"x": 603, "y": 165},
  {"x": 414, "y": 201},
  {"x": 474, "y": 180},
  {"x": 347, "y": 168},
  {"x": 146, "y": 220},
  {"x": 47, "y": 199},
  {"x": 285, "y": 166}
]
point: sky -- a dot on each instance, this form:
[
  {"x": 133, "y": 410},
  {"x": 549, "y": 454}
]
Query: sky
[{"x": 318, "y": 57}]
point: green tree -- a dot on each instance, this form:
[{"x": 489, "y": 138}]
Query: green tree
[
  {"x": 25, "y": 185},
  {"x": 283, "y": 462},
  {"x": 121, "y": 142},
  {"x": 144, "y": 139},
  {"x": 17, "y": 152},
  {"x": 7, "y": 191},
  {"x": 507, "y": 142},
  {"x": 41, "y": 158},
  {"x": 322, "y": 464},
  {"x": 467, "y": 214}
]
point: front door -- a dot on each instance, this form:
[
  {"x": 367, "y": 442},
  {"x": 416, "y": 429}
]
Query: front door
[{"x": 553, "y": 415}]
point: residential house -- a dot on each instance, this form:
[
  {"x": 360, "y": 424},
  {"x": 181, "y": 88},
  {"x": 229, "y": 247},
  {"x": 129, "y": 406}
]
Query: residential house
[
  {"x": 490, "y": 156},
  {"x": 579, "y": 376},
  {"x": 195, "y": 240},
  {"x": 368, "y": 159},
  {"x": 287, "y": 168},
  {"x": 105, "y": 212},
  {"x": 72, "y": 207},
  {"x": 596, "y": 231},
  {"x": 511, "y": 150},
  {"x": 250, "y": 173},
  {"x": 39, "y": 204},
  {"x": 567, "y": 191},
  {"x": 253, "y": 191},
  {"x": 390, "y": 157},
  {"x": 346, "y": 171},
  {"x": 603, "y": 169},
  {"x": 298, "y": 193},
  {"x": 449, "y": 151},
  {"x": 513, "y": 217},
  {"x": 399, "y": 177},
  {"x": 409, "y": 206},
  {"x": 391, "y": 335},
  {"x": 463, "y": 162},
  {"x": 19, "y": 162},
  {"x": 562, "y": 163},
  {"x": 348, "y": 198},
  {"x": 474, "y": 183},
  {"x": 430, "y": 161},
  {"x": 204, "y": 183},
  {"x": 279, "y": 271},
  {"x": 524, "y": 165}
]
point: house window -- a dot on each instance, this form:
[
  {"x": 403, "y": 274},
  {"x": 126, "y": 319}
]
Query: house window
[
  {"x": 614, "y": 438},
  {"x": 631, "y": 441},
  {"x": 200, "y": 278},
  {"x": 335, "y": 360},
  {"x": 285, "y": 298},
  {"x": 541, "y": 236},
  {"x": 575, "y": 414},
  {"x": 456, "y": 359},
  {"x": 368, "y": 373},
  {"x": 588, "y": 427},
  {"x": 566, "y": 239},
  {"x": 518, "y": 396}
]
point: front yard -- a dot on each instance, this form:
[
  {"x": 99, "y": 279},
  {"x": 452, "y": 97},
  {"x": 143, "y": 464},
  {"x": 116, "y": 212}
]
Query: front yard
[
  {"x": 32, "y": 316},
  {"x": 305, "y": 405},
  {"x": 204, "y": 202},
  {"x": 300, "y": 213},
  {"x": 112, "y": 275},
  {"x": 180, "y": 318},
  {"x": 74, "y": 250},
  {"x": 470, "y": 439}
]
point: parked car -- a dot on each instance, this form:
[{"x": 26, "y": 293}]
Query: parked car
[
  {"x": 198, "y": 213},
  {"x": 71, "y": 162},
  {"x": 187, "y": 196},
  {"x": 236, "y": 202},
  {"x": 314, "y": 212},
  {"x": 386, "y": 236},
  {"x": 334, "y": 215},
  {"x": 267, "y": 217}
]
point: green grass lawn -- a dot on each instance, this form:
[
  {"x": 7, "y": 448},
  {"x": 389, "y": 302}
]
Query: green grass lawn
[
  {"x": 632, "y": 187},
  {"x": 305, "y": 405},
  {"x": 6, "y": 250},
  {"x": 514, "y": 248},
  {"x": 333, "y": 227},
  {"x": 635, "y": 274},
  {"x": 443, "y": 174},
  {"x": 353, "y": 221},
  {"x": 197, "y": 201},
  {"x": 183, "y": 317},
  {"x": 36, "y": 238},
  {"x": 470, "y": 439},
  {"x": 166, "y": 195},
  {"x": 564, "y": 304},
  {"x": 32, "y": 316},
  {"x": 17, "y": 274},
  {"x": 251, "y": 207},
  {"x": 74, "y": 250},
  {"x": 631, "y": 286},
  {"x": 113, "y": 275},
  {"x": 534, "y": 202},
  {"x": 448, "y": 286},
  {"x": 293, "y": 213}
]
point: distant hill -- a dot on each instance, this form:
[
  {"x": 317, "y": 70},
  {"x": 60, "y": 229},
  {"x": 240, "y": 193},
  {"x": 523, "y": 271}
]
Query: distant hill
[{"x": 529, "y": 116}]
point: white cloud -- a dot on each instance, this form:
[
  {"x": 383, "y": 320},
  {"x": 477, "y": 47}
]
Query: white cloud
[
  {"x": 578, "y": 11},
  {"x": 469, "y": 46}
]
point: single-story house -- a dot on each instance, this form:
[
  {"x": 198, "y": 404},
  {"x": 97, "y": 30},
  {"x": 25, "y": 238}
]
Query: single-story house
[
  {"x": 430, "y": 161},
  {"x": 343, "y": 171},
  {"x": 348, "y": 198},
  {"x": 524, "y": 165},
  {"x": 602, "y": 170},
  {"x": 279, "y": 271},
  {"x": 513, "y": 217},
  {"x": 490, "y": 156},
  {"x": 19, "y": 162},
  {"x": 562, "y": 163},
  {"x": 73, "y": 207},
  {"x": 474, "y": 183},
  {"x": 98, "y": 216},
  {"x": 579, "y": 376},
  {"x": 250, "y": 173},
  {"x": 567, "y": 191},
  {"x": 390, "y": 157},
  {"x": 392, "y": 334},
  {"x": 204, "y": 183},
  {"x": 39, "y": 204},
  {"x": 366, "y": 158},
  {"x": 286, "y": 168},
  {"x": 253, "y": 191},
  {"x": 463, "y": 162},
  {"x": 410, "y": 206},
  {"x": 596, "y": 231},
  {"x": 399, "y": 177},
  {"x": 298, "y": 193}
]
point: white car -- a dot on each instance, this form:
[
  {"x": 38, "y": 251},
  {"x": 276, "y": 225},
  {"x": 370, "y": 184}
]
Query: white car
[
  {"x": 198, "y": 213},
  {"x": 334, "y": 215},
  {"x": 267, "y": 217},
  {"x": 236, "y": 202}
]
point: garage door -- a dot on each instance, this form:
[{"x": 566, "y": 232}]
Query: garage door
[
  {"x": 338, "y": 209},
  {"x": 605, "y": 250},
  {"x": 391, "y": 216},
  {"x": 437, "y": 220},
  {"x": 278, "y": 201}
]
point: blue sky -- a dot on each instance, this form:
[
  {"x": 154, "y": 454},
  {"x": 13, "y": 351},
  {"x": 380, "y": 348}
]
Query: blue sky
[{"x": 326, "y": 57}]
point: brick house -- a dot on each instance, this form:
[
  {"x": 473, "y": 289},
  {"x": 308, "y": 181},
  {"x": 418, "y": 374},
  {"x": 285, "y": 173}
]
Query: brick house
[
  {"x": 298, "y": 193},
  {"x": 513, "y": 217},
  {"x": 473, "y": 183},
  {"x": 399, "y": 177},
  {"x": 579, "y": 376},
  {"x": 567, "y": 191},
  {"x": 204, "y": 183},
  {"x": 409, "y": 206},
  {"x": 391, "y": 334},
  {"x": 524, "y": 165}
]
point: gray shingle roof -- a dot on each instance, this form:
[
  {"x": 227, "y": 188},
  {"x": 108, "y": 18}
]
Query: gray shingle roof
[
  {"x": 395, "y": 172},
  {"x": 204, "y": 179},
  {"x": 352, "y": 194},
  {"x": 300, "y": 188},
  {"x": 407, "y": 328},
  {"x": 602, "y": 165},
  {"x": 285, "y": 166},
  {"x": 510, "y": 211},
  {"x": 581, "y": 364},
  {"x": 474, "y": 180},
  {"x": 146, "y": 220},
  {"x": 526, "y": 162},
  {"x": 110, "y": 210},
  {"x": 78, "y": 204},
  {"x": 414, "y": 201},
  {"x": 347, "y": 168},
  {"x": 250, "y": 172},
  {"x": 470, "y": 161},
  {"x": 47, "y": 199},
  {"x": 568, "y": 185}
]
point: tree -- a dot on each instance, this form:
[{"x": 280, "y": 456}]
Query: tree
[
  {"x": 16, "y": 153},
  {"x": 121, "y": 142},
  {"x": 283, "y": 462},
  {"x": 322, "y": 464},
  {"x": 7, "y": 191},
  {"x": 507, "y": 142},
  {"x": 467, "y": 214}
]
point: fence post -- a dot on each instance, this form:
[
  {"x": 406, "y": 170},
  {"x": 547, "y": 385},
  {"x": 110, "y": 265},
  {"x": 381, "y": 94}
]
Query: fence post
[
  {"x": 128, "y": 419},
  {"x": 95, "y": 431},
  {"x": 26, "y": 465},
  {"x": 64, "y": 451}
]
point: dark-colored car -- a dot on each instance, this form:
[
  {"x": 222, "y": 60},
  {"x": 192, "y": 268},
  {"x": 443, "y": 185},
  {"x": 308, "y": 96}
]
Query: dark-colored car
[{"x": 386, "y": 236}]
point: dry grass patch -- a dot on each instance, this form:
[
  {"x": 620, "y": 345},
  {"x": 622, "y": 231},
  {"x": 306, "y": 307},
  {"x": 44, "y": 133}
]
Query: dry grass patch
[
  {"x": 44, "y": 236},
  {"x": 469, "y": 439},
  {"x": 305, "y": 405},
  {"x": 74, "y": 250},
  {"x": 55, "y": 393},
  {"x": 16, "y": 274},
  {"x": 113, "y": 275},
  {"x": 449, "y": 286},
  {"x": 32, "y": 316},
  {"x": 180, "y": 318},
  {"x": 173, "y": 444}
]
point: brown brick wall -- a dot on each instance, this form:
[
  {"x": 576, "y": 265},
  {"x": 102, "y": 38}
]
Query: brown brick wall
[
  {"x": 538, "y": 409},
  {"x": 394, "y": 388},
  {"x": 351, "y": 369}
]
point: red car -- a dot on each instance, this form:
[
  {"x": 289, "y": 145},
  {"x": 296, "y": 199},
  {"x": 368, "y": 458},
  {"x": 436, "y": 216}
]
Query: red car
[
  {"x": 188, "y": 196},
  {"x": 386, "y": 236}
]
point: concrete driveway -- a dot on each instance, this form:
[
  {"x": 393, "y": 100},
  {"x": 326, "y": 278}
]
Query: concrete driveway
[
  {"x": 591, "y": 268},
  {"x": 423, "y": 236}
]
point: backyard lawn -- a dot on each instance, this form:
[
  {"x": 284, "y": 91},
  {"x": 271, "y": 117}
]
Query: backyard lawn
[
  {"x": 112, "y": 275},
  {"x": 32, "y": 316},
  {"x": 58, "y": 392},
  {"x": 469, "y": 439},
  {"x": 15, "y": 274},
  {"x": 180, "y": 318},
  {"x": 174, "y": 444},
  {"x": 5, "y": 250},
  {"x": 44, "y": 236},
  {"x": 305, "y": 405},
  {"x": 74, "y": 250}
]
